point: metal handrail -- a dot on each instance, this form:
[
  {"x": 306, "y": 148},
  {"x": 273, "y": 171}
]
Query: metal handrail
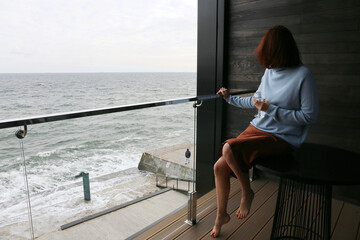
[{"x": 99, "y": 111}]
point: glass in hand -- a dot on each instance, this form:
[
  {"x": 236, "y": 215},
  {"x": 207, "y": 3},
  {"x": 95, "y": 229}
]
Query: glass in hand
[{"x": 258, "y": 97}]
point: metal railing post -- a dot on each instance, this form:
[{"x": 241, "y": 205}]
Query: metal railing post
[
  {"x": 192, "y": 207},
  {"x": 192, "y": 202}
]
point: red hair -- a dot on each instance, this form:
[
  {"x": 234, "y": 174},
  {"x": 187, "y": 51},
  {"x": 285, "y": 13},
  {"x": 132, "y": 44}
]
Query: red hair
[{"x": 278, "y": 49}]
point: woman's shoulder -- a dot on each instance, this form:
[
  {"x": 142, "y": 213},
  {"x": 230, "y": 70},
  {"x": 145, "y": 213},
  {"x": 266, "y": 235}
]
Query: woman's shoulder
[
  {"x": 304, "y": 70},
  {"x": 300, "y": 72},
  {"x": 306, "y": 75}
]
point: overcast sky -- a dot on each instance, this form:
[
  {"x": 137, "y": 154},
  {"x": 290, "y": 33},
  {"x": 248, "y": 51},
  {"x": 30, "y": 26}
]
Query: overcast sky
[{"x": 39, "y": 36}]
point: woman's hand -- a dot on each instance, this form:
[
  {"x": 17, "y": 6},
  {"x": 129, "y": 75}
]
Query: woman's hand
[
  {"x": 224, "y": 92},
  {"x": 261, "y": 105}
]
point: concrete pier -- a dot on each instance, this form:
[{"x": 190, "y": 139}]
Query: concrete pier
[{"x": 169, "y": 161}]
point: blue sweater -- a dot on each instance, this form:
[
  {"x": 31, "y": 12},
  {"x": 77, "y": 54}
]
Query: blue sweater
[{"x": 294, "y": 105}]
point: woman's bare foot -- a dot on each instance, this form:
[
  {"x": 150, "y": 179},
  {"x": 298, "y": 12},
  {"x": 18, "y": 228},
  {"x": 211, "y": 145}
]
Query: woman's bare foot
[
  {"x": 245, "y": 205},
  {"x": 220, "y": 220}
]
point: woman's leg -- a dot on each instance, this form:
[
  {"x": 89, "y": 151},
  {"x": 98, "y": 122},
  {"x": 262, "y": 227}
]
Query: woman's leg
[
  {"x": 222, "y": 170},
  {"x": 222, "y": 181},
  {"x": 247, "y": 195}
]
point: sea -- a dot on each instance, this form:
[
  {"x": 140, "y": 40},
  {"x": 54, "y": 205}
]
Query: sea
[{"x": 108, "y": 147}]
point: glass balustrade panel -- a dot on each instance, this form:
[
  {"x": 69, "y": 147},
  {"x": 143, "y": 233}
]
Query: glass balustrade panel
[
  {"x": 14, "y": 211},
  {"x": 82, "y": 168}
]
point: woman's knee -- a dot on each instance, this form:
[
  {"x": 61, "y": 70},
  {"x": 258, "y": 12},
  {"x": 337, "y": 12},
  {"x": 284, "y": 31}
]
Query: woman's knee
[
  {"x": 226, "y": 149},
  {"x": 221, "y": 167},
  {"x": 217, "y": 168}
]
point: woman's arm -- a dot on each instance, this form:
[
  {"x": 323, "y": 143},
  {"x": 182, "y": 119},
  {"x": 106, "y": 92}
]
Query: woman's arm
[{"x": 241, "y": 102}]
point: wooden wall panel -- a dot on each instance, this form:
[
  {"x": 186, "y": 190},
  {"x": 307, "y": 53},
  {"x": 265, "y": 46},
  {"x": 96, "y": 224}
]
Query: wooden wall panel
[{"x": 328, "y": 36}]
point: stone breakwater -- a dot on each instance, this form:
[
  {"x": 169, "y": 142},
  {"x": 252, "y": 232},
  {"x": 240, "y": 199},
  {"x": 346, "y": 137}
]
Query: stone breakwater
[{"x": 169, "y": 161}]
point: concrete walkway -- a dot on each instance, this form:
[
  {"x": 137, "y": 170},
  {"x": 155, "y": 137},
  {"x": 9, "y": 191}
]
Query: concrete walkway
[{"x": 125, "y": 222}]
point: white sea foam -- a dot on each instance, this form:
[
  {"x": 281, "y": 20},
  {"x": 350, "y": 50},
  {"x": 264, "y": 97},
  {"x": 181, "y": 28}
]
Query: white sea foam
[
  {"x": 46, "y": 154},
  {"x": 101, "y": 145},
  {"x": 53, "y": 208}
]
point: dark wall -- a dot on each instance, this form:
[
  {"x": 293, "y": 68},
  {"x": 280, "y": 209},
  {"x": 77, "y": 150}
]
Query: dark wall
[{"x": 328, "y": 36}]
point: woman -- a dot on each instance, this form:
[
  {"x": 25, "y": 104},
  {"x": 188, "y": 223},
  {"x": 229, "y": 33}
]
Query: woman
[{"x": 290, "y": 106}]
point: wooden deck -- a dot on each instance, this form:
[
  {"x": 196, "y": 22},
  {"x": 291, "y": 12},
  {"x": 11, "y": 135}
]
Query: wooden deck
[{"x": 344, "y": 224}]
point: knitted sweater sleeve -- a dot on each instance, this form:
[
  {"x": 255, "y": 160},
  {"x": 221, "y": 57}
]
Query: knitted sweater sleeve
[{"x": 241, "y": 102}]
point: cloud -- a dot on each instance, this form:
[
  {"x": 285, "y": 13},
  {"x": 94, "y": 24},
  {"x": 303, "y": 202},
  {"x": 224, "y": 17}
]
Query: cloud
[
  {"x": 18, "y": 51},
  {"x": 79, "y": 35}
]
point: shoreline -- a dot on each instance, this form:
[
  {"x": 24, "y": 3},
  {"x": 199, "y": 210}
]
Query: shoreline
[{"x": 114, "y": 189}]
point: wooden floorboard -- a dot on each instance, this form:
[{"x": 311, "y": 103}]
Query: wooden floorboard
[
  {"x": 336, "y": 208},
  {"x": 203, "y": 213},
  {"x": 260, "y": 197},
  {"x": 202, "y": 230},
  {"x": 345, "y": 219},
  {"x": 265, "y": 232},
  {"x": 174, "y": 224},
  {"x": 251, "y": 227},
  {"x": 348, "y": 224}
]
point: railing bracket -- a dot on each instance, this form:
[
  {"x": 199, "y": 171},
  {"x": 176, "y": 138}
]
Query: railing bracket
[
  {"x": 198, "y": 103},
  {"x": 20, "y": 134}
]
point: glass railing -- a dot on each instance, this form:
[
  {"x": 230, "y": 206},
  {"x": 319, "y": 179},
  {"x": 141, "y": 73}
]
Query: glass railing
[{"x": 141, "y": 155}]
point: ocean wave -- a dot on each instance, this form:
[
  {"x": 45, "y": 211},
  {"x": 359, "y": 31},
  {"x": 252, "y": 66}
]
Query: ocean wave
[{"x": 101, "y": 145}]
